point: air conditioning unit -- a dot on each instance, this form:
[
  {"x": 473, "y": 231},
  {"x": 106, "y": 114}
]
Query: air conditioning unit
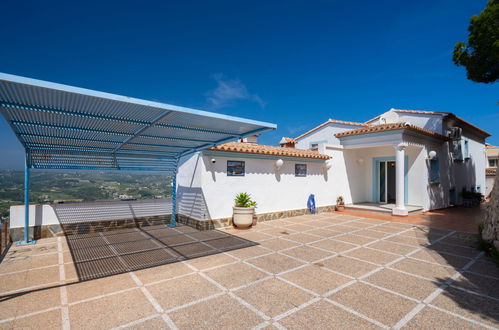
[{"x": 455, "y": 133}]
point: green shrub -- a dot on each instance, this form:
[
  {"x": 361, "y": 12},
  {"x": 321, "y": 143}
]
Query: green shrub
[{"x": 244, "y": 200}]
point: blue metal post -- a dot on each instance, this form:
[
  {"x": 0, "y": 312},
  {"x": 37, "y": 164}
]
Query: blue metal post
[
  {"x": 173, "y": 223},
  {"x": 26, "y": 204}
]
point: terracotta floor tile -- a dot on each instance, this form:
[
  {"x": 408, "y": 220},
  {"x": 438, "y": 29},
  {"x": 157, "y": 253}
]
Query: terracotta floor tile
[
  {"x": 469, "y": 305},
  {"x": 221, "y": 312},
  {"x": 47, "y": 320},
  {"x": 93, "y": 288},
  {"x": 485, "y": 267},
  {"x": 379, "y": 305},
  {"x": 278, "y": 232},
  {"x": 303, "y": 238},
  {"x": 254, "y": 236},
  {"x": 211, "y": 261},
  {"x": 348, "y": 266},
  {"x": 235, "y": 275},
  {"x": 431, "y": 318},
  {"x": 307, "y": 253},
  {"x": 181, "y": 291},
  {"x": 343, "y": 228},
  {"x": 392, "y": 247},
  {"x": 154, "y": 323},
  {"x": 477, "y": 283},
  {"x": 273, "y": 297},
  {"x": 277, "y": 244},
  {"x": 358, "y": 224},
  {"x": 112, "y": 310},
  {"x": 163, "y": 272},
  {"x": 16, "y": 264},
  {"x": 29, "y": 301},
  {"x": 389, "y": 229},
  {"x": 275, "y": 263},
  {"x": 248, "y": 252},
  {"x": 316, "y": 279},
  {"x": 372, "y": 233},
  {"x": 414, "y": 241},
  {"x": 434, "y": 272},
  {"x": 378, "y": 257},
  {"x": 333, "y": 246},
  {"x": 441, "y": 258},
  {"x": 454, "y": 249},
  {"x": 354, "y": 239},
  {"x": 411, "y": 286},
  {"x": 324, "y": 315},
  {"x": 323, "y": 232}
]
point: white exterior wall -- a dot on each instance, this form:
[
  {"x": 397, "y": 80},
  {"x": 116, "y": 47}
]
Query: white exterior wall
[
  {"x": 432, "y": 122},
  {"x": 324, "y": 135},
  {"x": 470, "y": 173},
  {"x": 273, "y": 191},
  {"x": 49, "y": 214}
]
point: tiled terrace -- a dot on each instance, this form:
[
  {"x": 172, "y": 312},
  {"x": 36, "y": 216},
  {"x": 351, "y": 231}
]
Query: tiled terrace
[{"x": 321, "y": 271}]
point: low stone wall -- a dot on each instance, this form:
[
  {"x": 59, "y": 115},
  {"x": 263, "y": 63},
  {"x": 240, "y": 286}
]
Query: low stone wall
[
  {"x": 227, "y": 222},
  {"x": 46, "y": 231},
  {"x": 490, "y": 231}
]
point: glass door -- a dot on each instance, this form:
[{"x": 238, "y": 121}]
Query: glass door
[{"x": 382, "y": 182}]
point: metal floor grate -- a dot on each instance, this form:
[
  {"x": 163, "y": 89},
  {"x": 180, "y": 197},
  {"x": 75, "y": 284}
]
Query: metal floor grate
[{"x": 122, "y": 250}]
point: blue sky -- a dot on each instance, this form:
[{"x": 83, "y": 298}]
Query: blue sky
[{"x": 293, "y": 63}]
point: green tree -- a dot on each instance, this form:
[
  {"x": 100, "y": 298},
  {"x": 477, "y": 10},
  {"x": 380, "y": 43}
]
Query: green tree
[{"x": 480, "y": 55}]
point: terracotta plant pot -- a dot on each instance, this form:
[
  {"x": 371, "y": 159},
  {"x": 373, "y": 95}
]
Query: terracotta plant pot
[
  {"x": 255, "y": 219},
  {"x": 340, "y": 208},
  {"x": 243, "y": 216}
]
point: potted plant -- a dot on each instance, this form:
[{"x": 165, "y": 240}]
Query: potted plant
[
  {"x": 243, "y": 210},
  {"x": 340, "y": 204}
]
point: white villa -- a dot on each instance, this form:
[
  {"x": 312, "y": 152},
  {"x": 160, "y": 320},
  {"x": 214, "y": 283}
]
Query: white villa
[{"x": 399, "y": 162}]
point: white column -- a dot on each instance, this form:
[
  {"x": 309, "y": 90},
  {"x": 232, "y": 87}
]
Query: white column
[{"x": 400, "y": 180}]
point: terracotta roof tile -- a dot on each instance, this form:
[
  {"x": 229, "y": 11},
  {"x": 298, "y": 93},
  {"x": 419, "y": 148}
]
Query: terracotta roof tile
[
  {"x": 490, "y": 171},
  {"x": 253, "y": 148},
  {"x": 330, "y": 121},
  {"x": 391, "y": 127}
]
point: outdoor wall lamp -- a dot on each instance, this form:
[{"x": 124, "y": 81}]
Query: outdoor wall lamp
[
  {"x": 278, "y": 164},
  {"x": 328, "y": 164},
  {"x": 360, "y": 161},
  {"x": 432, "y": 154}
]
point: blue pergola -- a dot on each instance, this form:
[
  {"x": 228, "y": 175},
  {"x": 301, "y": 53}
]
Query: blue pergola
[{"x": 66, "y": 127}]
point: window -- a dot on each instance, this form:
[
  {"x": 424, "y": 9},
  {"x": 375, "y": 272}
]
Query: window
[
  {"x": 300, "y": 169},
  {"x": 434, "y": 170},
  {"x": 493, "y": 162},
  {"x": 235, "y": 168},
  {"x": 466, "y": 151}
]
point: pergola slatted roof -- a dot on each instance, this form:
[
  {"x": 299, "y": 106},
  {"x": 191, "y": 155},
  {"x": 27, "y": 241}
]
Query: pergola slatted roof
[{"x": 66, "y": 127}]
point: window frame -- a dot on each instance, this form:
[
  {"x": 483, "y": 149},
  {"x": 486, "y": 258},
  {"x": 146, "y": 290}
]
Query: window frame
[
  {"x": 298, "y": 172},
  {"x": 233, "y": 166}
]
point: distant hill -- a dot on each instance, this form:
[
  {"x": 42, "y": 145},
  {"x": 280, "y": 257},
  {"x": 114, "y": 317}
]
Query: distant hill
[{"x": 50, "y": 186}]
